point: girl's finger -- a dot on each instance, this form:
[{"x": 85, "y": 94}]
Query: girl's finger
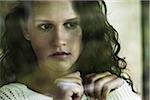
[
  {"x": 101, "y": 75},
  {"x": 94, "y": 83},
  {"x": 89, "y": 82},
  {"x": 89, "y": 89},
  {"x": 99, "y": 84},
  {"x": 93, "y": 77},
  {"x": 74, "y": 78},
  {"x": 114, "y": 84},
  {"x": 71, "y": 89}
]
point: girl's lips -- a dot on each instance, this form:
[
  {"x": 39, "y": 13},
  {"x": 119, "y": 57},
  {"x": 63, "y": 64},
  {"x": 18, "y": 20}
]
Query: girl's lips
[{"x": 60, "y": 55}]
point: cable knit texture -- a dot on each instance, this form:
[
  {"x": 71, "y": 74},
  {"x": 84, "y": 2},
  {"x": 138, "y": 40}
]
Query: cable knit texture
[{"x": 17, "y": 91}]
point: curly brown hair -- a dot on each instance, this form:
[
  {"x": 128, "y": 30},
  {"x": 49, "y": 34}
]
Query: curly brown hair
[{"x": 100, "y": 42}]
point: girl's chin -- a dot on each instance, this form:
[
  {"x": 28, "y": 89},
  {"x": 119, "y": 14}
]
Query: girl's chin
[{"x": 56, "y": 66}]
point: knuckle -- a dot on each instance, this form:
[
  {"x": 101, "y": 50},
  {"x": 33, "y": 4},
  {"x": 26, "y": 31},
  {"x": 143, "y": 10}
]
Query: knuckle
[
  {"x": 92, "y": 80},
  {"x": 107, "y": 73},
  {"x": 98, "y": 83},
  {"x": 106, "y": 87},
  {"x": 114, "y": 76},
  {"x": 121, "y": 80}
]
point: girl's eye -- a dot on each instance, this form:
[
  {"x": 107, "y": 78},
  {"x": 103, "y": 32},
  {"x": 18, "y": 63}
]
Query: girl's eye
[
  {"x": 71, "y": 25},
  {"x": 46, "y": 27}
]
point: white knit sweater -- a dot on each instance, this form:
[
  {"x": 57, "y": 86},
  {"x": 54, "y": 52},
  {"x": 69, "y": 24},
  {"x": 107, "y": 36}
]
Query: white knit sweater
[{"x": 17, "y": 91}]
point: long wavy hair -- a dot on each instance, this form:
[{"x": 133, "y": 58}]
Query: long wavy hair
[{"x": 100, "y": 43}]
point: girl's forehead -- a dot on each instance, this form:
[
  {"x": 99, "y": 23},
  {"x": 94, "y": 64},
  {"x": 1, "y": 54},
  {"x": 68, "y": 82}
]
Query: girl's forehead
[
  {"x": 54, "y": 10},
  {"x": 51, "y": 5},
  {"x": 50, "y": 1}
]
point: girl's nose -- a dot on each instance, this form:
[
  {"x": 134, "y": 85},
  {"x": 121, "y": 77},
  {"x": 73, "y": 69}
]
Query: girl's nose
[{"x": 59, "y": 37}]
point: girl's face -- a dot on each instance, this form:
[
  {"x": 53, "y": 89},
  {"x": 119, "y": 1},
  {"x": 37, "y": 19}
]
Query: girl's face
[{"x": 55, "y": 34}]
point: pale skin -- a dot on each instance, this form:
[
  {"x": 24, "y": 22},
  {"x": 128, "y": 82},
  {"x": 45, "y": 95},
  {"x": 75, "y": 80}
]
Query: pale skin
[{"x": 56, "y": 37}]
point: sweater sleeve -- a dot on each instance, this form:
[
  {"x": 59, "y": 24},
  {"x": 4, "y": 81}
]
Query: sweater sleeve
[{"x": 123, "y": 93}]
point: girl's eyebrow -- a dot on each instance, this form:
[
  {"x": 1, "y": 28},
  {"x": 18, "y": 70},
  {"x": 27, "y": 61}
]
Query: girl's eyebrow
[
  {"x": 43, "y": 20},
  {"x": 73, "y": 19},
  {"x": 47, "y": 21}
]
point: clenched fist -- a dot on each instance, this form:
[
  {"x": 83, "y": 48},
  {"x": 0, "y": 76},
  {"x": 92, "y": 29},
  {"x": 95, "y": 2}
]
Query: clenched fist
[{"x": 69, "y": 87}]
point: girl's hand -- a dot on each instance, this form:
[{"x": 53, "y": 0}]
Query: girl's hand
[
  {"x": 69, "y": 87},
  {"x": 98, "y": 86}
]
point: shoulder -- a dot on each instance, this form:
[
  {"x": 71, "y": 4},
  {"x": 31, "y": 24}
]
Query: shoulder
[
  {"x": 12, "y": 91},
  {"x": 123, "y": 93},
  {"x": 17, "y": 91}
]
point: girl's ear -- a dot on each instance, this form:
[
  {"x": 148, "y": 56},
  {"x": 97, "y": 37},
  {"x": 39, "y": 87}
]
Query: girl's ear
[
  {"x": 24, "y": 29},
  {"x": 26, "y": 35}
]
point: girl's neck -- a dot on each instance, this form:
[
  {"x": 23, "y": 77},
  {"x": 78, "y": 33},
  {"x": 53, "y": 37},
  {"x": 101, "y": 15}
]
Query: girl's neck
[{"x": 40, "y": 81}]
